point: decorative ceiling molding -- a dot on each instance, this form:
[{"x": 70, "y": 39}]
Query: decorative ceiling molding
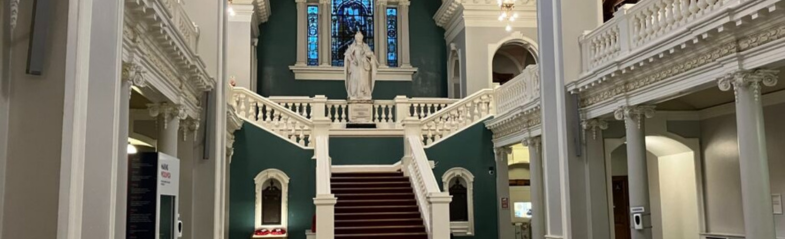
[{"x": 261, "y": 9}]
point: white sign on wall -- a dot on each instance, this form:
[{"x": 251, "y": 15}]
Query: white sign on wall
[{"x": 776, "y": 202}]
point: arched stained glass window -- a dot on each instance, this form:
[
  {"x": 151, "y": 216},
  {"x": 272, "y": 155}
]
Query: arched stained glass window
[
  {"x": 392, "y": 37},
  {"x": 313, "y": 35},
  {"x": 349, "y": 16}
]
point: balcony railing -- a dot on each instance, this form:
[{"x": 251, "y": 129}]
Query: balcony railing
[{"x": 634, "y": 27}]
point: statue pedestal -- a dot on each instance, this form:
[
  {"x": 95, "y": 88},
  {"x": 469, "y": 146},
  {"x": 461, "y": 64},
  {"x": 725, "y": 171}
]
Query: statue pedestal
[{"x": 360, "y": 111}]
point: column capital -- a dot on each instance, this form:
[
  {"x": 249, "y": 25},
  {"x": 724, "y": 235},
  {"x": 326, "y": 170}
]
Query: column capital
[
  {"x": 381, "y": 2},
  {"x": 405, "y": 3},
  {"x": 500, "y": 151},
  {"x": 168, "y": 111},
  {"x": 190, "y": 125},
  {"x": 634, "y": 112},
  {"x": 134, "y": 73},
  {"x": 534, "y": 142},
  {"x": 593, "y": 125},
  {"x": 748, "y": 79}
]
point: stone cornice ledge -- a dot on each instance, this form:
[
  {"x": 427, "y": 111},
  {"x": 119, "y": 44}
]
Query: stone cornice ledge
[{"x": 336, "y": 73}]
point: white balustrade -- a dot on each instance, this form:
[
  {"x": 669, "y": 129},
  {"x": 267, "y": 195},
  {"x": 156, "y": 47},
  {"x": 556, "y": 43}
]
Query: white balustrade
[
  {"x": 298, "y": 104},
  {"x": 274, "y": 117},
  {"x": 182, "y": 23},
  {"x": 433, "y": 203},
  {"x": 519, "y": 91},
  {"x": 457, "y": 116},
  {"x": 384, "y": 111},
  {"x": 635, "y": 26},
  {"x": 423, "y": 107},
  {"x": 337, "y": 111}
]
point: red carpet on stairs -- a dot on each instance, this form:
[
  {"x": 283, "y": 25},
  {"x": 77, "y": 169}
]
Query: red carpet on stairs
[{"x": 376, "y": 206}]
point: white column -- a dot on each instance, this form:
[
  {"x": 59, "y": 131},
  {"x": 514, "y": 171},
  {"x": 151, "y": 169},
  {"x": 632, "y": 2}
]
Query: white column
[
  {"x": 381, "y": 29},
  {"x": 753, "y": 160},
  {"x": 634, "y": 119},
  {"x": 537, "y": 191},
  {"x": 325, "y": 57},
  {"x": 403, "y": 13},
  {"x": 554, "y": 129},
  {"x": 169, "y": 116},
  {"x": 599, "y": 219},
  {"x": 240, "y": 48},
  {"x": 506, "y": 230},
  {"x": 440, "y": 208},
  {"x": 132, "y": 75},
  {"x": 301, "y": 32},
  {"x": 91, "y": 117}
]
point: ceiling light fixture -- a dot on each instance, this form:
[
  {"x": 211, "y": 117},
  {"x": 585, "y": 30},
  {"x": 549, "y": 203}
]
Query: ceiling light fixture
[{"x": 507, "y": 7}]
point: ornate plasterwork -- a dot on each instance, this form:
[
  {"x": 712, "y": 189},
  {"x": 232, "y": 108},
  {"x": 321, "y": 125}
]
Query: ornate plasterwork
[
  {"x": 516, "y": 123},
  {"x": 532, "y": 142},
  {"x": 750, "y": 79},
  {"x": 759, "y": 39},
  {"x": 659, "y": 74},
  {"x": 134, "y": 73},
  {"x": 190, "y": 126},
  {"x": 167, "y": 111},
  {"x": 634, "y": 112},
  {"x": 14, "y": 13},
  {"x": 593, "y": 125},
  {"x": 233, "y": 123}
]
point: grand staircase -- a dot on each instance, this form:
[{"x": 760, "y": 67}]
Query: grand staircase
[{"x": 376, "y": 205}]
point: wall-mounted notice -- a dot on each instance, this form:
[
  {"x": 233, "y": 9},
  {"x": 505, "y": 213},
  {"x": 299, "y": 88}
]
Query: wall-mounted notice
[{"x": 776, "y": 202}]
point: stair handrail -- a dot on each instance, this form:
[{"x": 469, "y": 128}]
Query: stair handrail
[
  {"x": 432, "y": 202},
  {"x": 457, "y": 116},
  {"x": 270, "y": 115}
]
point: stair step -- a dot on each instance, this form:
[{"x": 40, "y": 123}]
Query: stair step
[
  {"x": 373, "y": 222},
  {"x": 369, "y": 179},
  {"x": 369, "y": 174},
  {"x": 409, "y": 235},
  {"x": 380, "y": 208},
  {"x": 374, "y": 202},
  {"x": 336, "y": 185},
  {"x": 373, "y": 196},
  {"x": 376, "y": 215},
  {"x": 372, "y": 190},
  {"x": 380, "y": 229}
]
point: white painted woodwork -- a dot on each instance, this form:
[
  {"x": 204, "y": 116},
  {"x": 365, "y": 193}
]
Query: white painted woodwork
[{"x": 457, "y": 117}]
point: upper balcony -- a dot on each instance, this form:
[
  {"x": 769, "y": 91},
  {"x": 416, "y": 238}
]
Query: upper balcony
[{"x": 657, "y": 40}]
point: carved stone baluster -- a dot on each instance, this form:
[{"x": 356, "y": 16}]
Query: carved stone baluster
[
  {"x": 417, "y": 111},
  {"x": 260, "y": 114},
  {"x": 301, "y": 138},
  {"x": 340, "y": 113},
  {"x": 269, "y": 114},
  {"x": 242, "y": 104},
  {"x": 387, "y": 110},
  {"x": 276, "y": 121}
]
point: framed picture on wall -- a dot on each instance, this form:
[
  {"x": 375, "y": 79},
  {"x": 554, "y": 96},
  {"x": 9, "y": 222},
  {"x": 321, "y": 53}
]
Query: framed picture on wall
[{"x": 523, "y": 209}]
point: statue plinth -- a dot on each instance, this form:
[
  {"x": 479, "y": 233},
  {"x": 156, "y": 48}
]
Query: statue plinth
[{"x": 360, "y": 111}]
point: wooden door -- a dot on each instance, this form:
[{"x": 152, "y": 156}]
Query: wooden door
[{"x": 621, "y": 207}]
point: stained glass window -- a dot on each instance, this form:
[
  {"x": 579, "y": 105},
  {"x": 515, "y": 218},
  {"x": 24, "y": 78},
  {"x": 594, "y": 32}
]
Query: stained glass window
[
  {"x": 392, "y": 37},
  {"x": 313, "y": 35},
  {"x": 348, "y": 17}
]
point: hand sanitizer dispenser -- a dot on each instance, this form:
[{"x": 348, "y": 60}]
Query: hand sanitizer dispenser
[{"x": 152, "y": 197}]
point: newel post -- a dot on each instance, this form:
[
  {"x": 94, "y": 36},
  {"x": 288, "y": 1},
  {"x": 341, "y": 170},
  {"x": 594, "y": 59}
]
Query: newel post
[
  {"x": 325, "y": 216},
  {"x": 625, "y": 27},
  {"x": 325, "y": 201},
  {"x": 440, "y": 214},
  {"x": 411, "y": 127},
  {"x": 401, "y": 110},
  {"x": 318, "y": 107}
]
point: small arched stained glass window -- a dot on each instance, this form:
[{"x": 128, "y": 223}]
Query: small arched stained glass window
[{"x": 459, "y": 209}]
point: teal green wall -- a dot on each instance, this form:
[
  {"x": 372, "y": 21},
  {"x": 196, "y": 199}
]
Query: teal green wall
[
  {"x": 345, "y": 151},
  {"x": 277, "y": 50},
  {"x": 472, "y": 149},
  {"x": 254, "y": 151}
]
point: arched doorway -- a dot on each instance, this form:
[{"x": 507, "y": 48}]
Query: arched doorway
[
  {"x": 510, "y": 60},
  {"x": 673, "y": 189},
  {"x": 454, "y": 82}
]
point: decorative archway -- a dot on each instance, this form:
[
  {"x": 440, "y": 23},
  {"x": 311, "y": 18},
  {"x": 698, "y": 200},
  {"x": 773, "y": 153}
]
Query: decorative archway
[
  {"x": 454, "y": 76},
  {"x": 514, "y": 39}
]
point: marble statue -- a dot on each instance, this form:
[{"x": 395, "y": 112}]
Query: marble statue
[{"x": 360, "y": 67}]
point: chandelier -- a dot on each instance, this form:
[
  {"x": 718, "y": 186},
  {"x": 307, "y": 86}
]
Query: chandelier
[{"x": 507, "y": 13}]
